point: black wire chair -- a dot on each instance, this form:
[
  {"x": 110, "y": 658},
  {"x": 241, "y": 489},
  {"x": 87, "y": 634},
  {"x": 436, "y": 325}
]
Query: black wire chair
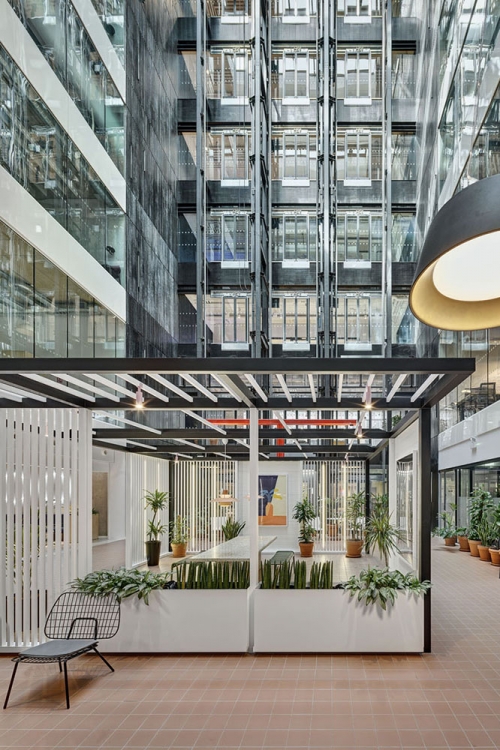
[{"x": 75, "y": 624}]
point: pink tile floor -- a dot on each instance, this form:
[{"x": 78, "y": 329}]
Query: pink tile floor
[{"x": 447, "y": 699}]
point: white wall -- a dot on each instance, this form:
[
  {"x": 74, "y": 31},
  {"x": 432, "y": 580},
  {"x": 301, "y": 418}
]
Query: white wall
[
  {"x": 405, "y": 444},
  {"x": 287, "y": 536},
  {"x": 471, "y": 441},
  {"x": 113, "y": 463}
]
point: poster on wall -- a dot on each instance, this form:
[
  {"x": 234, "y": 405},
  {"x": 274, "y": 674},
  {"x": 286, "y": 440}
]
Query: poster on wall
[{"x": 272, "y": 500}]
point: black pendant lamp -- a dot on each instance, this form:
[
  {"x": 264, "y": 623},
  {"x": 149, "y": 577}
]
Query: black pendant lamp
[{"x": 457, "y": 283}]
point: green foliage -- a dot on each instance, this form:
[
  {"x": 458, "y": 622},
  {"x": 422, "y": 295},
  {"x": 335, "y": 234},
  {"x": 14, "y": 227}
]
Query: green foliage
[
  {"x": 231, "y": 529},
  {"x": 382, "y": 586},
  {"x": 202, "y": 574},
  {"x": 283, "y": 575},
  {"x": 124, "y": 583},
  {"x": 396, "y": 419},
  {"x": 95, "y": 512},
  {"x": 156, "y": 501},
  {"x": 355, "y": 515},
  {"x": 480, "y": 507},
  {"x": 381, "y": 533},
  {"x": 179, "y": 531},
  {"x": 447, "y": 529},
  {"x": 321, "y": 575},
  {"x": 304, "y": 513},
  {"x": 300, "y": 574},
  {"x": 487, "y": 532}
]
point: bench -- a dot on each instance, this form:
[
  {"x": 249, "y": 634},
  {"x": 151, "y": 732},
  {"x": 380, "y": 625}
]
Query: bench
[{"x": 282, "y": 556}]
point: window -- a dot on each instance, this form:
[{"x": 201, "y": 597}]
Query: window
[
  {"x": 296, "y": 11},
  {"x": 359, "y": 11},
  {"x": 404, "y": 502},
  {"x": 404, "y": 156},
  {"x": 361, "y": 160},
  {"x": 403, "y": 238},
  {"x": 403, "y": 74},
  {"x": 228, "y": 75},
  {"x": 294, "y": 321},
  {"x": 293, "y": 75},
  {"x": 228, "y": 240},
  {"x": 234, "y": 322},
  {"x": 359, "y": 238},
  {"x": 241, "y": 8},
  {"x": 227, "y": 157},
  {"x": 294, "y": 157},
  {"x": 359, "y": 76},
  {"x": 294, "y": 240},
  {"x": 359, "y": 321}
]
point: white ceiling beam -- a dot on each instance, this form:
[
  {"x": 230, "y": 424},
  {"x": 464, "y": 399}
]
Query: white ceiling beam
[
  {"x": 340, "y": 383},
  {"x": 18, "y": 391},
  {"x": 85, "y": 386},
  {"x": 110, "y": 384},
  {"x": 59, "y": 386},
  {"x": 201, "y": 388},
  {"x": 144, "y": 387},
  {"x": 423, "y": 387},
  {"x": 188, "y": 442},
  {"x": 227, "y": 387},
  {"x": 127, "y": 421},
  {"x": 310, "y": 377},
  {"x": 284, "y": 387},
  {"x": 257, "y": 388},
  {"x": 142, "y": 445},
  {"x": 174, "y": 388},
  {"x": 368, "y": 388},
  {"x": 397, "y": 385},
  {"x": 203, "y": 421},
  {"x": 282, "y": 422},
  {"x": 10, "y": 396}
]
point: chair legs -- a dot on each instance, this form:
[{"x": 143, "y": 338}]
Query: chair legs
[
  {"x": 10, "y": 684},
  {"x": 104, "y": 660},
  {"x": 66, "y": 687}
]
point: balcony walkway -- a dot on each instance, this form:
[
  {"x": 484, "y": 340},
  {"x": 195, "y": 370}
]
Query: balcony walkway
[{"x": 448, "y": 699}]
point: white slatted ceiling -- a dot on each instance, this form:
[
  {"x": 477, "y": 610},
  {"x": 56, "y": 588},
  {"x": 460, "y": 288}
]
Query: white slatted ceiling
[
  {"x": 143, "y": 473},
  {"x": 45, "y": 524},
  {"x": 195, "y": 485},
  {"x": 327, "y": 484}
]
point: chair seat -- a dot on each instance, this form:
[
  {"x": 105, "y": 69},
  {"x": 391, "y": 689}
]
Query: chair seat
[{"x": 60, "y": 648}]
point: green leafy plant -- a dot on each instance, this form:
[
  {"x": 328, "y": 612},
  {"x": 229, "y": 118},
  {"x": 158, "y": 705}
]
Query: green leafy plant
[
  {"x": 448, "y": 528},
  {"x": 321, "y": 575},
  {"x": 304, "y": 513},
  {"x": 179, "y": 531},
  {"x": 122, "y": 582},
  {"x": 215, "y": 574},
  {"x": 355, "y": 515},
  {"x": 300, "y": 574},
  {"x": 396, "y": 419},
  {"x": 156, "y": 501},
  {"x": 382, "y": 586},
  {"x": 381, "y": 533},
  {"x": 231, "y": 529},
  {"x": 487, "y": 532},
  {"x": 480, "y": 507}
]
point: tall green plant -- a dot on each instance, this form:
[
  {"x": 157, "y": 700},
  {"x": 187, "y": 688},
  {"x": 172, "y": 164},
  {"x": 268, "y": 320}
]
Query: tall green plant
[
  {"x": 355, "y": 515},
  {"x": 304, "y": 513},
  {"x": 480, "y": 507},
  {"x": 156, "y": 501},
  {"x": 448, "y": 528},
  {"x": 381, "y": 533},
  {"x": 179, "y": 531},
  {"x": 232, "y": 528}
]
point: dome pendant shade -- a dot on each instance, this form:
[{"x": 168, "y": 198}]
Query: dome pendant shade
[{"x": 457, "y": 283}]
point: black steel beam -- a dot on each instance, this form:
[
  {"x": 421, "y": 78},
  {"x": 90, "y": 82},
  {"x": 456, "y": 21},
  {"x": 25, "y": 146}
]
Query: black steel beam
[
  {"x": 277, "y": 403},
  {"x": 235, "y": 450},
  {"x": 131, "y": 433},
  {"x": 56, "y": 397},
  {"x": 426, "y": 518}
]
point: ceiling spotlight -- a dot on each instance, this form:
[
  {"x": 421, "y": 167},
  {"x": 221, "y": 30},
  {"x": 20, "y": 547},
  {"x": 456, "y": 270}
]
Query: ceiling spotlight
[{"x": 139, "y": 398}]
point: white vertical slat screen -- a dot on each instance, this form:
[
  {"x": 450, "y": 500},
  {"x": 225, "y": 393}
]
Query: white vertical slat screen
[
  {"x": 143, "y": 473},
  {"x": 196, "y": 484},
  {"x": 328, "y": 484},
  {"x": 45, "y": 517}
]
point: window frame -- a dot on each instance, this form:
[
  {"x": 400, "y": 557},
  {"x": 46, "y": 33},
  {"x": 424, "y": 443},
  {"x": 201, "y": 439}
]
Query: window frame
[
  {"x": 351, "y": 344},
  {"x": 351, "y": 53},
  {"x": 295, "y": 18},
  {"x": 232, "y": 300},
  {"x": 235, "y": 16},
  {"x": 289, "y": 181},
  {"x": 358, "y": 262},
  {"x": 357, "y": 17},
  {"x": 311, "y": 251},
  {"x": 223, "y": 216},
  {"x": 295, "y": 344}
]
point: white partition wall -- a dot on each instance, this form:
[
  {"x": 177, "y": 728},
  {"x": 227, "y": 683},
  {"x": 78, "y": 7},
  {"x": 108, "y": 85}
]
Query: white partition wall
[
  {"x": 45, "y": 524},
  {"x": 143, "y": 473}
]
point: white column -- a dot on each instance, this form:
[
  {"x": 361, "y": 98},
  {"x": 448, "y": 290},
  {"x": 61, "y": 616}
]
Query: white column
[{"x": 253, "y": 515}]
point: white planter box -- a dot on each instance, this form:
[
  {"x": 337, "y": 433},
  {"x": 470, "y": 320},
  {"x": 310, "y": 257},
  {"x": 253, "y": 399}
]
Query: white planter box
[
  {"x": 200, "y": 621},
  {"x": 330, "y": 621}
]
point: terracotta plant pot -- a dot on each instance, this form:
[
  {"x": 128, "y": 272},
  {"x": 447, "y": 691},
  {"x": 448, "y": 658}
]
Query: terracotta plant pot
[
  {"x": 178, "y": 550},
  {"x": 463, "y": 543},
  {"x": 495, "y": 557},
  {"x": 473, "y": 545},
  {"x": 484, "y": 553},
  {"x": 306, "y": 549},
  {"x": 354, "y": 547},
  {"x": 450, "y": 541},
  {"x": 153, "y": 553}
]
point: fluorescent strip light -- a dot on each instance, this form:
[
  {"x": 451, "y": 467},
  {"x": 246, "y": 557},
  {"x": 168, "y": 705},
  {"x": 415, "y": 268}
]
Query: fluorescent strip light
[
  {"x": 282, "y": 382},
  {"x": 312, "y": 387},
  {"x": 395, "y": 388},
  {"x": 188, "y": 442},
  {"x": 59, "y": 387},
  {"x": 85, "y": 386},
  {"x": 280, "y": 419},
  {"x": 172, "y": 387},
  {"x": 143, "y": 387},
  {"x": 110, "y": 384},
  {"x": 253, "y": 382},
  {"x": 227, "y": 387},
  {"x": 340, "y": 383},
  {"x": 201, "y": 388},
  {"x": 423, "y": 387},
  {"x": 127, "y": 421},
  {"x": 203, "y": 421}
]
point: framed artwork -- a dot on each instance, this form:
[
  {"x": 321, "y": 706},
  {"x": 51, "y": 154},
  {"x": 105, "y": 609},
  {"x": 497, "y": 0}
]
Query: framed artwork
[{"x": 273, "y": 500}]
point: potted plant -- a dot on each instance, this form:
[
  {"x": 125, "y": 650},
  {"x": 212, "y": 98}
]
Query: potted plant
[
  {"x": 462, "y": 538},
  {"x": 156, "y": 501},
  {"x": 495, "y": 546},
  {"x": 486, "y": 533},
  {"x": 95, "y": 524},
  {"x": 480, "y": 506},
  {"x": 304, "y": 513},
  {"x": 381, "y": 533},
  {"x": 448, "y": 531},
  {"x": 179, "y": 536},
  {"x": 355, "y": 517},
  {"x": 231, "y": 529}
]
